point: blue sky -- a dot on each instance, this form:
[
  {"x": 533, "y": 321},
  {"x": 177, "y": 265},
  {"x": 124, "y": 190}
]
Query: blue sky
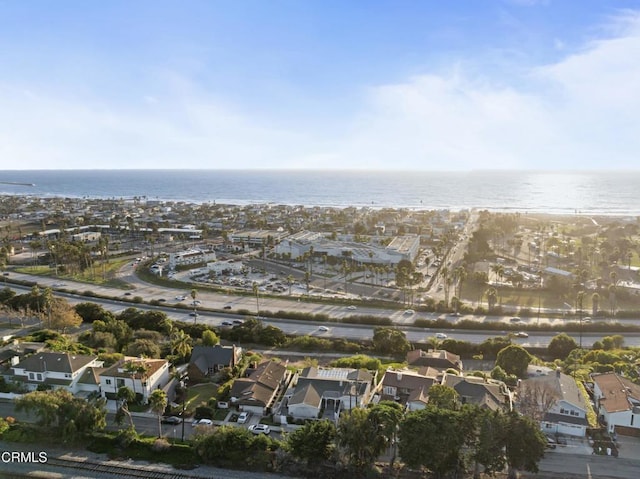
[{"x": 412, "y": 85}]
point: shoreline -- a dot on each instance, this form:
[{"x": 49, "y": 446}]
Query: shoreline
[{"x": 565, "y": 215}]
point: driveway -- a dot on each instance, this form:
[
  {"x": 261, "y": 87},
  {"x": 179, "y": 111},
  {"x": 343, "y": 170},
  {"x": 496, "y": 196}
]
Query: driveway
[{"x": 628, "y": 447}]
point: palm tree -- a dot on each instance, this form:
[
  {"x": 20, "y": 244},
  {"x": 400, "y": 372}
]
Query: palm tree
[
  {"x": 180, "y": 343},
  {"x": 290, "y": 281},
  {"x": 492, "y": 297},
  {"x": 158, "y": 402},
  {"x": 125, "y": 395},
  {"x": 595, "y": 302},
  {"x": 194, "y": 295},
  {"x": 256, "y": 291}
]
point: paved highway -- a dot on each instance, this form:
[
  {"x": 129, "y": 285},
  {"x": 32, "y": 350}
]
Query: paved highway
[{"x": 210, "y": 300}]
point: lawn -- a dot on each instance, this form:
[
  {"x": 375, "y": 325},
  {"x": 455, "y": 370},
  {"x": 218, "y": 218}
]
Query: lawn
[
  {"x": 90, "y": 275},
  {"x": 200, "y": 393}
]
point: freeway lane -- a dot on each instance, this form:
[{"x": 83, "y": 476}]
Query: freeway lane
[{"x": 353, "y": 332}]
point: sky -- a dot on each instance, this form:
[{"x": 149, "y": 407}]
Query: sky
[{"x": 310, "y": 84}]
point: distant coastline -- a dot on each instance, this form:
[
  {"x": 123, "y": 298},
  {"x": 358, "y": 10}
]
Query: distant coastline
[{"x": 612, "y": 193}]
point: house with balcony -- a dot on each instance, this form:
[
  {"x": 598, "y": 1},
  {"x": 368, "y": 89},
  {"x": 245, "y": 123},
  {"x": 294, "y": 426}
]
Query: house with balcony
[
  {"x": 325, "y": 392},
  {"x": 141, "y": 375},
  {"x": 408, "y": 387},
  {"x": 617, "y": 401},
  {"x": 54, "y": 370}
]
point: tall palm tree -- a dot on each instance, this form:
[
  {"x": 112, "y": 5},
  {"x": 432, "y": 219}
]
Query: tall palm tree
[
  {"x": 492, "y": 298},
  {"x": 158, "y": 403},
  {"x": 194, "y": 295},
  {"x": 256, "y": 292},
  {"x": 595, "y": 302}
]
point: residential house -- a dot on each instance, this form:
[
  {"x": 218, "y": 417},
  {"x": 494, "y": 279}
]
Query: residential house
[
  {"x": 141, "y": 375},
  {"x": 435, "y": 358},
  {"x": 327, "y": 391},
  {"x": 558, "y": 402},
  {"x": 617, "y": 403},
  {"x": 258, "y": 391},
  {"x": 52, "y": 369},
  {"x": 408, "y": 387},
  {"x": 208, "y": 360},
  {"x": 486, "y": 393}
]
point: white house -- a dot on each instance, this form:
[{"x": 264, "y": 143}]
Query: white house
[
  {"x": 141, "y": 375},
  {"x": 617, "y": 402},
  {"x": 558, "y": 399},
  {"x": 56, "y": 370},
  {"x": 328, "y": 391}
]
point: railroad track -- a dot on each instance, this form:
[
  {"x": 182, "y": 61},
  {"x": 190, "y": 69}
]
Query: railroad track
[{"x": 93, "y": 468}]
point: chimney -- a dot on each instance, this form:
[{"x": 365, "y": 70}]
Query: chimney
[{"x": 399, "y": 375}]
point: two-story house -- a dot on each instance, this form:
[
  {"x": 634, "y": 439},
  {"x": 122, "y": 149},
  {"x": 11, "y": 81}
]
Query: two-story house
[
  {"x": 485, "y": 393},
  {"x": 617, "y": 403},
  {"x": 440, "y": 359},
  {"x": 52, "y": 369},
  {"x": 556, "y": 401},
  {"x": 258, "y": 391},
  {"x": 327, "y": 391},
  {"x": 141, "y": 375},
  {"x": 208, "y": 360},
  {"x": 408, "y": 387}
]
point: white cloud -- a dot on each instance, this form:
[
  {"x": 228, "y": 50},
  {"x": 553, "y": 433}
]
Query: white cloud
[{"x": 581, "y": 112}]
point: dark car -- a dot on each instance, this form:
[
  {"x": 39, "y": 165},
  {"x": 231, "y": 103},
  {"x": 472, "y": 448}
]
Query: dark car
[
  {"x": 227, "y": 307},
  {"x": 227, "y": 323},
  {"x": 171, "y": 420}
]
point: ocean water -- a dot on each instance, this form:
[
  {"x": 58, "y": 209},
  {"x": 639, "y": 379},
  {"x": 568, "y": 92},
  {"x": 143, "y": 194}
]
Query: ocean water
[{"x": 589, "y": 193}]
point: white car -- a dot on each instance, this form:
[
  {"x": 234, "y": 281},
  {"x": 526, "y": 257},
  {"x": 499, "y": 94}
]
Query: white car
[
  {"x": 441, "y": 336},
  {"x": 409, "y": 312},
  {"x": 202, "y": 422},
  {"x": 260, "y": 429},
  {"x": 323, "y": 328},
  {"x": 352, "y": 308},
  {"x": 243, "y": 417}
]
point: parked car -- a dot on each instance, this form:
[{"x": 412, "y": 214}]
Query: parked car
[
  {"x": 515, "y": 320},
  {"x": 223, "y": 405},
  {"x": 193, "y": 314},
  {"x": 551, "y": 443},
  {"x": 260, "y": 429},
  {"x": 409, "y": 312},
  {"x": 243, "y": 417},
  {"x": 202, "y": 422},
  {"x": 171, "y": 420},
  {"x": 522, "y": 334},
  {"x": 227, "y": 323},
  {"x": 323, "y": 328},
  {"x": 351, "y": 307}
]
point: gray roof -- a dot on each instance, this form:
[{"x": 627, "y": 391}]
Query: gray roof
[
  {"x": 205, "y": 357},
  {"x": 55, "y": 362},
  {"x": 476, "y": 390},
  {"x": 562, "y": 386}
]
